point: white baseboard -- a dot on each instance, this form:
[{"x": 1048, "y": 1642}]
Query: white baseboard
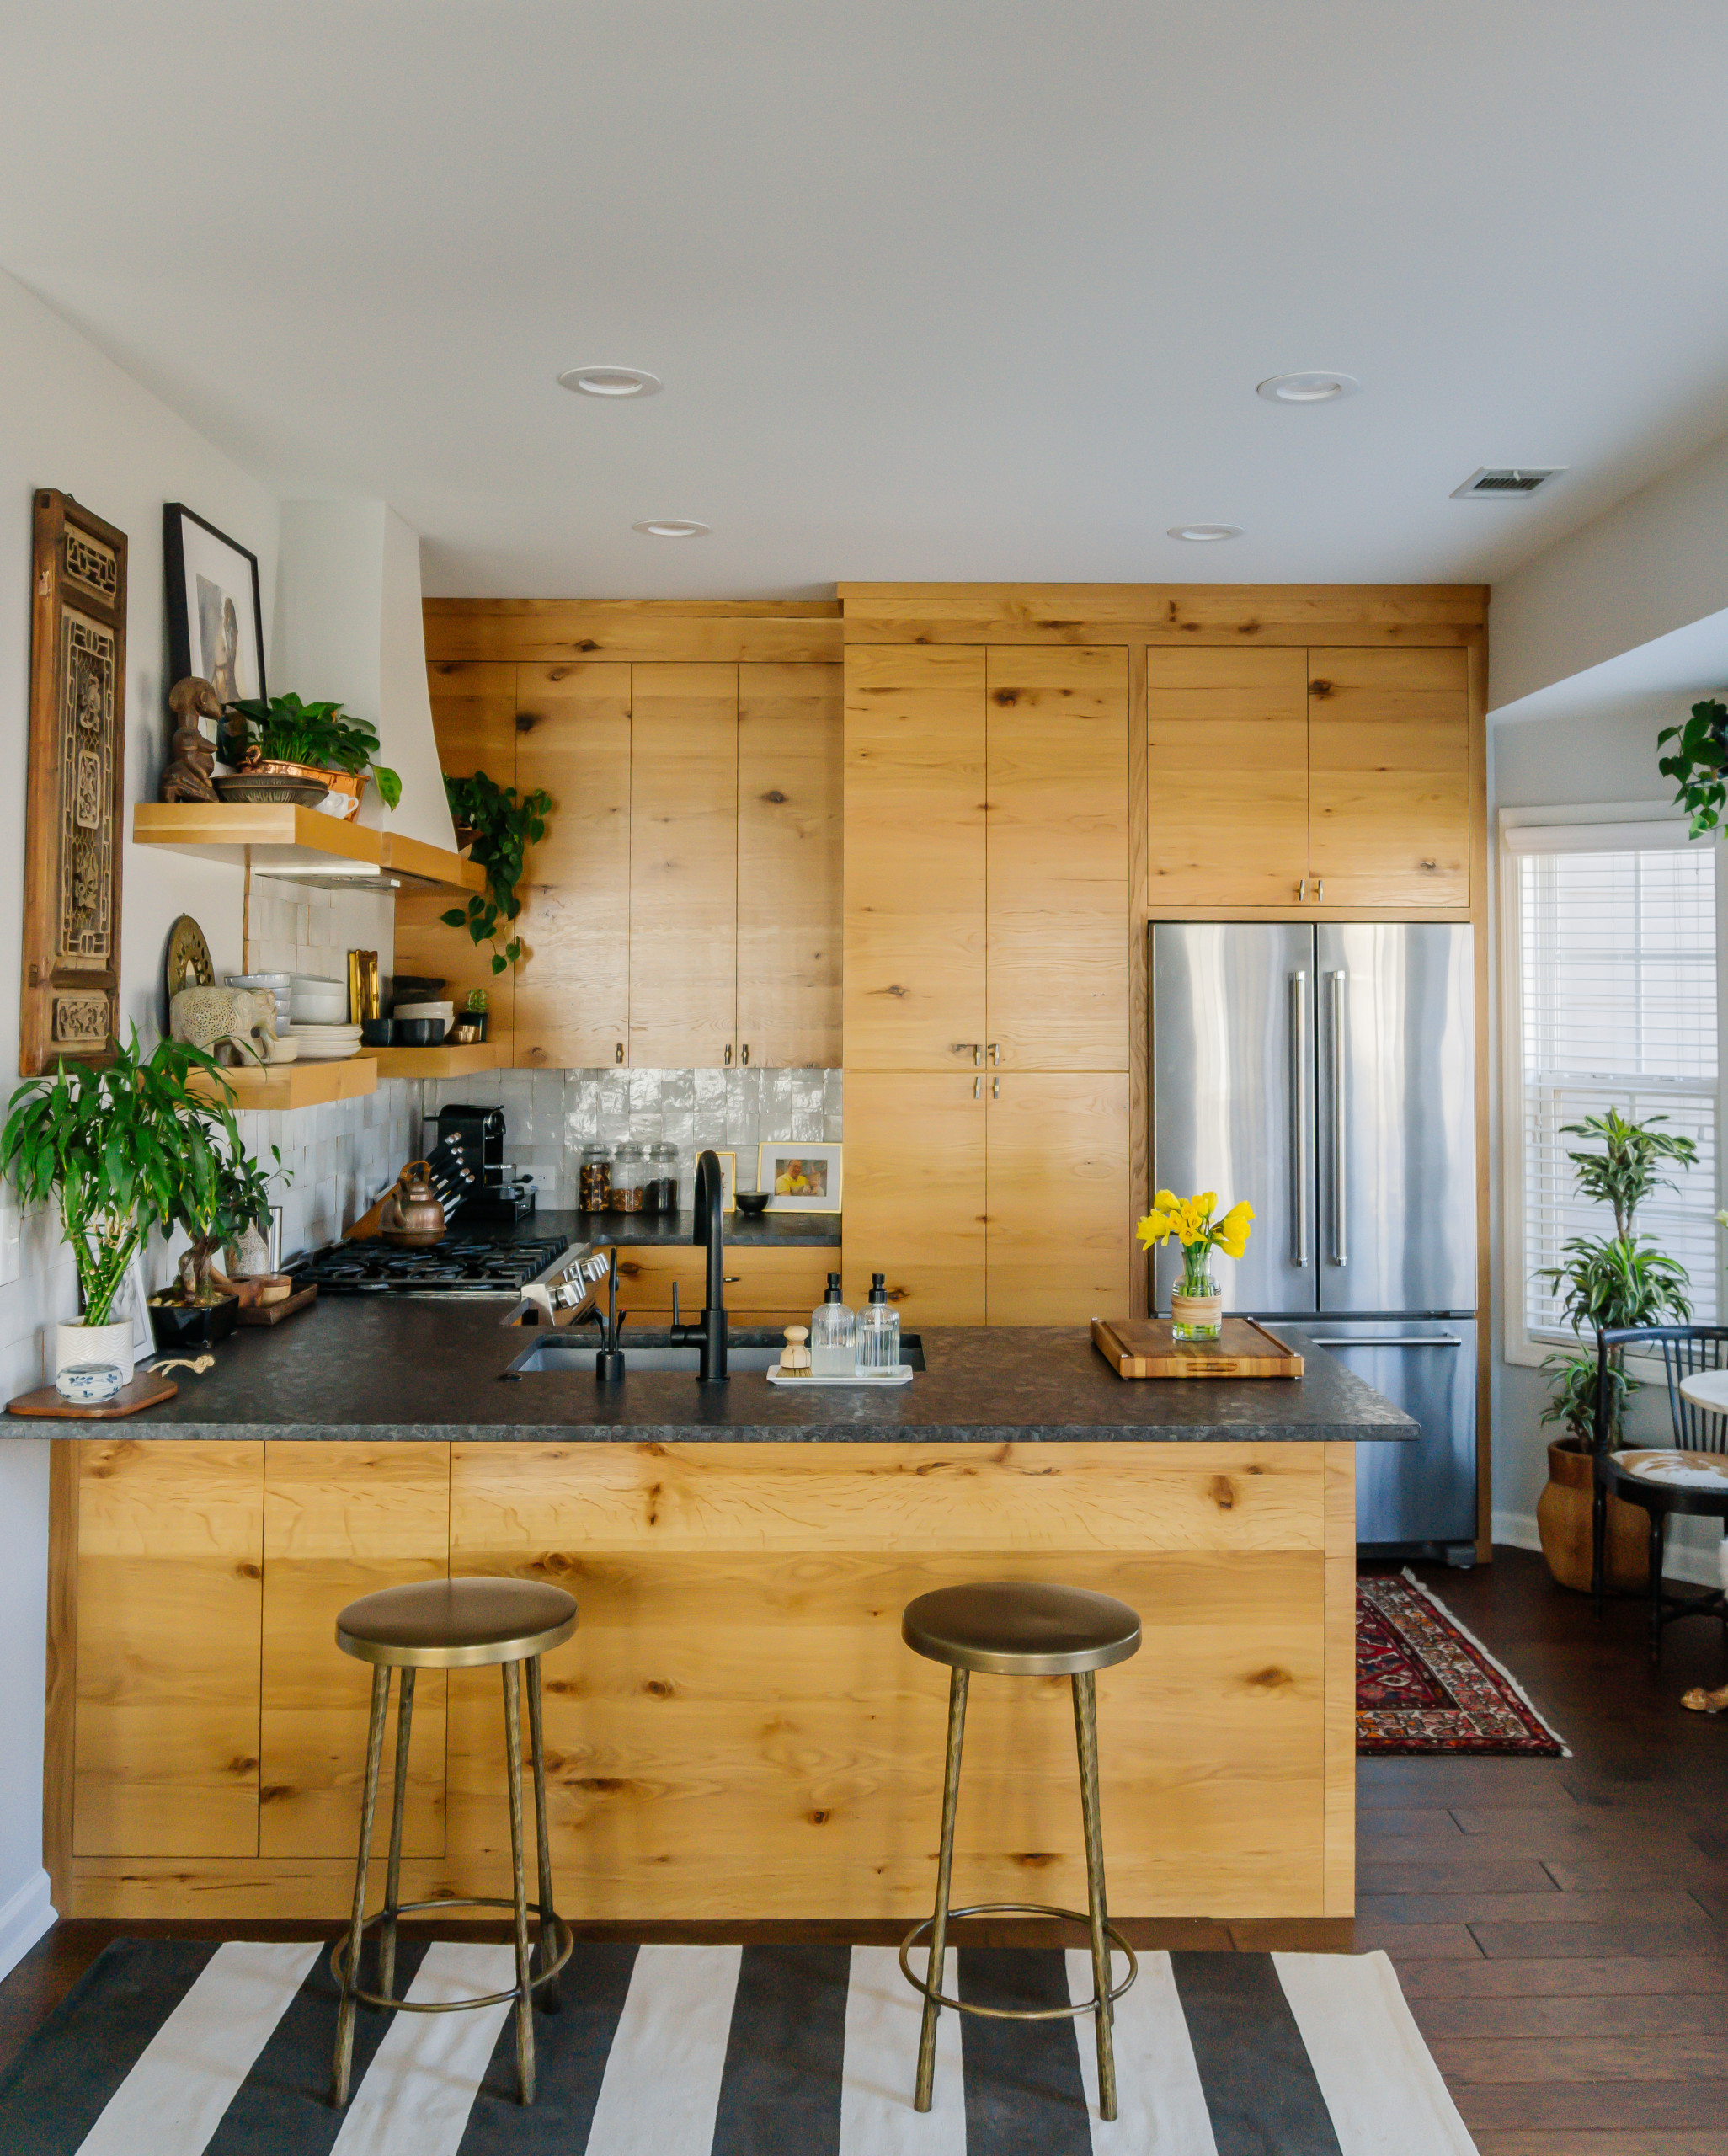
[
  {"x": 23, "y": 1918},
  {"x": 1697, "y": 1567}
]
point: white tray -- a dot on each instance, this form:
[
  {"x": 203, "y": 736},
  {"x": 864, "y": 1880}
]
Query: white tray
[{"x": 903, "y": 1375}]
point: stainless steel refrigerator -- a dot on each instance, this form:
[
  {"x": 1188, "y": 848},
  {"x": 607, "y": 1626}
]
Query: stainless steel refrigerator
[{"x": 1326, "y": 1073}]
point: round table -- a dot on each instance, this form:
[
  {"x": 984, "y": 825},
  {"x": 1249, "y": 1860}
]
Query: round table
[{"x": 1707, "y": 1388}]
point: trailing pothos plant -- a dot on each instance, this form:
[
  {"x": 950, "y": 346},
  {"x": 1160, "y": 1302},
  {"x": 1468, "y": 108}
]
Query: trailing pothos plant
[
  {"x": 123, "y": 1147},
  {"x": 505, "y": 824},
  {"x": 287, "y": 731},
  {"x": 217, "y": 1214},
  {"x": 1699, "y": 766},
  {"x": 1621, "y": 1279}
]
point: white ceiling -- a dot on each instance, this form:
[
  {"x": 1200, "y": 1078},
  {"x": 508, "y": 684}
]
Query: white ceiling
[{"x": 937, "y": 291}]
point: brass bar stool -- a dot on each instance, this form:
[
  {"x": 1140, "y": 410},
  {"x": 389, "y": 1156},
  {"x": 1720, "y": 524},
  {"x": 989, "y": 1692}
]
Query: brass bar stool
[
  {"x": 463, "y": 1624},
  {"x": 1022, "y": 1628}
]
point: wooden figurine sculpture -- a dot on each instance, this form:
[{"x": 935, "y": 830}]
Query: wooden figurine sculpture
[{"x": 190, "y": 755}]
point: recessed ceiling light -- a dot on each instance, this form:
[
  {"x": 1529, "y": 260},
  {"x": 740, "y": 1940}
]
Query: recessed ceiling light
[
  {"x": 1307, "y": 388},
  {"x": 671, "y": 527},
  {"x": 1203, "y": 532},
  {"x": 611, "y": 381}
]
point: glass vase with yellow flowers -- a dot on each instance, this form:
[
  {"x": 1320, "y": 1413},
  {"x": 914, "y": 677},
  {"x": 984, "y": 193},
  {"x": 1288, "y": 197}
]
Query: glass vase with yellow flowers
[{"x": 1196, "y": 1305}]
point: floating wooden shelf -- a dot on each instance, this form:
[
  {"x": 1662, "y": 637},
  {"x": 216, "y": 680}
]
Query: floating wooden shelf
[
  {"x": 293, "y": 1084},
  {"x": 302, "y": 846},
  {"x": 457, "y": 1061}
]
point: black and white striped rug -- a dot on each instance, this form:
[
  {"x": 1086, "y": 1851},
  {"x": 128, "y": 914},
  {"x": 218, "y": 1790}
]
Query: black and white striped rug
[{"x": 172, "y": 2048}]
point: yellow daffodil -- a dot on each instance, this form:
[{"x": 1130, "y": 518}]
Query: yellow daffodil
[{"x": 1190, "y": 1221}]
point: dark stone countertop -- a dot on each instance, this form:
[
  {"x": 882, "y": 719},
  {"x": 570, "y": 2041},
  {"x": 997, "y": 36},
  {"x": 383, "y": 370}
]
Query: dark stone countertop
[
  {"x": 394, "y": 1367},
  {"x": 820, "y": 1230}
]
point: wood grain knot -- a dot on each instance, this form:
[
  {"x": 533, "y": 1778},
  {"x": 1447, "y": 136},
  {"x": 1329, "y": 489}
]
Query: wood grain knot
[
  {"x": 776, "y": 796},
  {"x": 246, "y": 1570},
  {"x": 271, "y": 1790},
  {"x": 527, "y": 721},
  {"x": 1248, "y": 629},
  {"x": 1319, "y": 689},
  {"x": 587, "y": 644},
  {"x": 819, "y": 1818},
  {"x": 600, "y": 1785},
  {"x": 1036, "y": 1860},
  {"x": 1005, "y": 697},
  {"x": 893, "y": 988},
  {"x": 657, "y": 1687},
  {"x": 242, "y": 1767},
  {"x": 1222, "y": 1491},
  {"x": 1269, "y": 1680}
]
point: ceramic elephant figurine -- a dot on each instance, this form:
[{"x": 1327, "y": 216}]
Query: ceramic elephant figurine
[{"x": 236, "y": 1025}]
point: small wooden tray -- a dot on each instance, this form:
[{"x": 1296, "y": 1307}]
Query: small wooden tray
[
  {"x": 145, "y": 1390},
  {"x": 274, "y": 1312},
  {"x": 1145, "y": 1348}
]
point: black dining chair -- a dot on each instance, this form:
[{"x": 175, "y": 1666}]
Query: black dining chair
[{"x": 1689, "y": 1476}]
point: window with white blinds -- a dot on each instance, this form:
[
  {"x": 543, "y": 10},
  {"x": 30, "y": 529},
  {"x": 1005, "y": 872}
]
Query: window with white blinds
[{"x": 1617, "y": 994}]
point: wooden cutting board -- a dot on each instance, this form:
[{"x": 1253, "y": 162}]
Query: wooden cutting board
[{"x": 1146, "y": 1348}]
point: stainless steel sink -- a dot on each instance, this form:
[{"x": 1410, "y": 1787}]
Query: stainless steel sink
[{"x": 571, "y": 1353}]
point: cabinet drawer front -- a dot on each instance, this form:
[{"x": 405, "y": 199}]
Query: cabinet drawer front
[{"x": 757, "y": 1280}]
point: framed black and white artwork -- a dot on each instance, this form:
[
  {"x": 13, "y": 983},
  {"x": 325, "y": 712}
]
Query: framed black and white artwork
[{"x": 216, "y": 623}]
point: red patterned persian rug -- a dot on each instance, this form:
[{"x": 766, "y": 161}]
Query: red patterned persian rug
[{"x": 1423, "y": 1685}]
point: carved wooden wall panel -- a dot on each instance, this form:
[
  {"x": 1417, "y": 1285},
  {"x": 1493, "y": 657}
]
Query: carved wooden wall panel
[{"x": 74, "y": 824}]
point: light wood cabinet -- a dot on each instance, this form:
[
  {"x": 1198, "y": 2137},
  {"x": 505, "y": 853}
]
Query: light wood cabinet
[
  {"x": 766, "y": 1285},
  {"x": 915, "y": 1193},
  {"x": 1389, "y": 777},
  {"x": 1329, "y": 778},
  {"x": 1057, "y": 856},
  {"x": 683, "y": 908},
  {"x": 997, "y": 1199},
  {"x": 1057, "y": 1182},
  {"x": 789, "y": 762},
  {"x": 1226, "y": 776},
  {"x": 915, "y": 857},
  {"x": 683, "y": 864},
  {"x": 574, "y": 738}
]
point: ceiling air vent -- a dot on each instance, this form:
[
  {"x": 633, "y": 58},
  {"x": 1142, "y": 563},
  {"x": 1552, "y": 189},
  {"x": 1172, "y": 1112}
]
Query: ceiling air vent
[{"x": 1505, "y": 483}]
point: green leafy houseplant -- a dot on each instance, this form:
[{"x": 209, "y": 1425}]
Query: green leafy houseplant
[
  {"x": 287, "y": 731},
  {"x": 1698, "y": 765},
  {"x": 217, "y": 1214},
  {"x": 1608, "y": 1281},
  {"x": 119, "y": 1146},
  {"x": 505, "y": 824}
]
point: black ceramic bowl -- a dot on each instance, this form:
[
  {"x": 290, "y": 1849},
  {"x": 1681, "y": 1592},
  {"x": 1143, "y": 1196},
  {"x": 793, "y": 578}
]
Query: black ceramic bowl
[
  {"x": 193, "y": 1325},
  {"x": 752, "y": 1203},
  {"x": 377, "y": 1032},
  {"x": 417, "y": 1033}
]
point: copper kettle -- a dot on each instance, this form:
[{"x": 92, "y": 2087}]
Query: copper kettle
[{"x": 412, "y": 1217}]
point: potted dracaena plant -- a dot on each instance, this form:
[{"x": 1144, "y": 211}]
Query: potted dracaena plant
[
  {"x": 1196, "y": 1305},
  {"x": 1606, "y": 1281},
  {"x": 214, "y": 1213},
  {"x": 498, "y": 825},
  {"x": 281, "y": 738},
  {"x": 116, "y": 1144}
]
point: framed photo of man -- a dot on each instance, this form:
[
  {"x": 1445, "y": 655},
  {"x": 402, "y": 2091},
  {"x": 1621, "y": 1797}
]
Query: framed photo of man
[{"x": 215, "y": 621}]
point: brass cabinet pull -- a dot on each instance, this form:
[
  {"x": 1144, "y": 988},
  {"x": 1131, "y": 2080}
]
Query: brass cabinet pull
[
  {"x": 978, "y": 1089},
  {"x": 745, "y": 1056},
  {"x": 961, "y": 1047},
  {"x": 728, "y": 1052},
  {"x": 618, "y": 1052},
  {"x": 995, "y": 1089},
  {"x": 1319, "y": 890},
  {"x": 996, "y": 1052},
  {"x": 1302, "y": 892}
]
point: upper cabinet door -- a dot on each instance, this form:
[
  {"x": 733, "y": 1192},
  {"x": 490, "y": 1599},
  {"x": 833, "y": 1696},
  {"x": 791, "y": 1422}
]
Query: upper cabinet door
[
  {"x": 915, "y": 856},
  {"x": 1390, "y": 803},
  {"x": 1227, "y": 779},
  {"x": 1057, "y": 858},
  {"x": 572, "y": 991},
  {"x": 790, "y": 748},
  {"x": 474, "y": 723},
  {"x": 682, "y": 865}
]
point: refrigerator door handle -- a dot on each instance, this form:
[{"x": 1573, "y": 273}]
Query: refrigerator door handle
[
  {"x": 1386, "y": 1339},
  {"x": 1299, "y": 1149},
  {"x": 1335, "y": 1079}
]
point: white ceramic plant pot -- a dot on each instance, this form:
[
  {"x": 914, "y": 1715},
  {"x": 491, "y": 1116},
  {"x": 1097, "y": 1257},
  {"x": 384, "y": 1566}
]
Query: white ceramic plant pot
[{"x": 77, "y": 1343}]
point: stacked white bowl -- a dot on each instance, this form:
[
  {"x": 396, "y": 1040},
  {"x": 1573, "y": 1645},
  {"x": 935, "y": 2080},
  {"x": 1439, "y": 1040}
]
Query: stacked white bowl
[
  {"x": 276, "y": 984},
  {"x": 315, "y": 999}
]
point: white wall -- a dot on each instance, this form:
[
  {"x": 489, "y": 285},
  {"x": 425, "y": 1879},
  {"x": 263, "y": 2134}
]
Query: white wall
[
  {"x": 1602, "y": 763},
  {"x": 70, "y": 419}
]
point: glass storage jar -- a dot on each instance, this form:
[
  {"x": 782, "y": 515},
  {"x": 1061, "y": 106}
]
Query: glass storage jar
[
  {"x": 662, "y": 1179},
  {"x": 629, "y": 1178},
  {"x": 594, "y": 1183}
]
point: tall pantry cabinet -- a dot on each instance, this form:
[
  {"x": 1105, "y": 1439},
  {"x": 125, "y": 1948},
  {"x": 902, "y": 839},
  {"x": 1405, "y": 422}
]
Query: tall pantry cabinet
[{"x": 986, "y": 987}]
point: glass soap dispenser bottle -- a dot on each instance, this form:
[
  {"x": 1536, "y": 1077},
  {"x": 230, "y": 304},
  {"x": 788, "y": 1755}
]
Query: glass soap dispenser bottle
[
  {"x": 878, "y": 1332},
  {"x": 833, "y": 1335}
]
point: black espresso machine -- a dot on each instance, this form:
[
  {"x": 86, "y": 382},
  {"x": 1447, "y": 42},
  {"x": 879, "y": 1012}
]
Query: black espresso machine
[{"x": 480, "y": 1133}]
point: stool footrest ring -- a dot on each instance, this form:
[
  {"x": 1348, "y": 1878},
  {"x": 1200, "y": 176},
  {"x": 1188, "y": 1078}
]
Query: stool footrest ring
[
  {"x": 564, "y": 1937},
  {"x": 925, "y": 1985}
]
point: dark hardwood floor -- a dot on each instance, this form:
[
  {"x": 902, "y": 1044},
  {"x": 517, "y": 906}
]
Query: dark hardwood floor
[{"x": 1560, "y": 1926}]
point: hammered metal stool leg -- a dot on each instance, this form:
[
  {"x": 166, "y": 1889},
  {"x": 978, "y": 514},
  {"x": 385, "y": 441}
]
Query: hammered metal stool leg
[
  {"x": 452, "y": 1625},
  {"x": 1021, "y": 1628}
]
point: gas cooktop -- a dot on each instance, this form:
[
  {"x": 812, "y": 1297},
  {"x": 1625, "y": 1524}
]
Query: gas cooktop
[{"x": 472, "y": 1264}]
